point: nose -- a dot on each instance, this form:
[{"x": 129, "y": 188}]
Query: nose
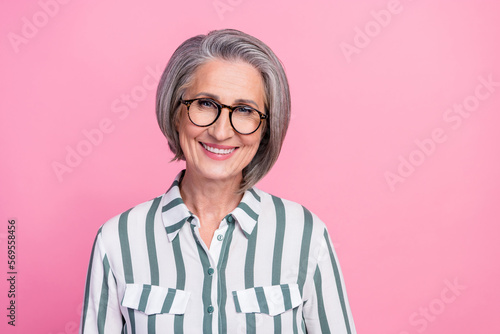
[{"x": 222, "y": 129}]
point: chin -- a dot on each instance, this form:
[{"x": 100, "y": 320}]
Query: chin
[{"x": 220, "y": 173}]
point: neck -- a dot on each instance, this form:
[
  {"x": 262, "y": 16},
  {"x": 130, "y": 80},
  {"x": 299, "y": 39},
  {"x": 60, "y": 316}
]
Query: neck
[{"x": 210, "y": 200}]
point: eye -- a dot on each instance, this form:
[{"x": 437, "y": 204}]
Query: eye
[
  {"x": 244, "y": 110},
  {"x": 206, "y": 104}
]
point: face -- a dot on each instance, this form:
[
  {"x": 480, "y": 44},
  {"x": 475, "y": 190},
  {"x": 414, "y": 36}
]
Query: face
[{"x": 218, "y": 152}]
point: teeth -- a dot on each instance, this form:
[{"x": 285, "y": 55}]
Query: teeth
[{"x": 218, "y": 150}]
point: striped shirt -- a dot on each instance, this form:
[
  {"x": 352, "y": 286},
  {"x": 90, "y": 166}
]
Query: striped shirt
[{"x": 270, "y": 268}]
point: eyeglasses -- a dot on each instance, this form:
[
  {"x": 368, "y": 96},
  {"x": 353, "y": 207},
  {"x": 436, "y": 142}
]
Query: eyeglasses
[{"x": 205, "y": 112}]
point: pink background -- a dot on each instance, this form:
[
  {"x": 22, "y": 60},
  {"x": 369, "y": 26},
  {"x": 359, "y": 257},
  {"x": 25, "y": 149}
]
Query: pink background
[{"x": 370, "y": 99}]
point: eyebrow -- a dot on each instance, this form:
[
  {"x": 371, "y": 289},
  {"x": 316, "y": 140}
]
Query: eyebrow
[{"x": 216, "y": 97}]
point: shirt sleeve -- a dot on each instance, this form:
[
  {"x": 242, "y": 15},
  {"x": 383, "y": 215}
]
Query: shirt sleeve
[
  {"x": 327, "y": 309},
  {"x": 101, "y": 306}
]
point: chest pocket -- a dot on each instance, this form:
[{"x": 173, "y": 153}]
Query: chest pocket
[
  {"x": 271, "y": 300},
  {"x": 154, "y": 299}
]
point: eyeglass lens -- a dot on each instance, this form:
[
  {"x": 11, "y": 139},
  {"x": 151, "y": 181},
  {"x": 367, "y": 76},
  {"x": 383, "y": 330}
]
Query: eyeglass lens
[{"x": 203, "y": 112}]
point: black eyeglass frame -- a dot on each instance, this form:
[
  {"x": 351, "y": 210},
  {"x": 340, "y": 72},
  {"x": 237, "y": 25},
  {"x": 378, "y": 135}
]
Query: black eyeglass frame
[{"x": 188, "y": 103}]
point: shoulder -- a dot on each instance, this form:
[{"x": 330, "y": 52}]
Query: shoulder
[
  {"x": 302, "y": 233},
  {"x": 292, "y": 213},
  {"x": 130, "y": 221}
]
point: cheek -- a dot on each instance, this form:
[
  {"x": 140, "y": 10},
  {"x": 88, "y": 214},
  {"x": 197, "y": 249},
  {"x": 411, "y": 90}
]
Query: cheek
[
  {"x": 183, "y": 126},
  {"x": 184, "y": 135},
  {"x": 189, "y": 135},
  {"x": 254, "y": 143}
]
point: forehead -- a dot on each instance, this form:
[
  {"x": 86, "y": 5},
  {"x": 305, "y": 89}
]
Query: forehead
[{"x": 229, "y": 81}]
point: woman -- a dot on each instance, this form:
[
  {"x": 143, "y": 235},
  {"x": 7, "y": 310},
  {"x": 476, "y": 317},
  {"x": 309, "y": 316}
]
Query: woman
[{"x": 215, "y": 254}]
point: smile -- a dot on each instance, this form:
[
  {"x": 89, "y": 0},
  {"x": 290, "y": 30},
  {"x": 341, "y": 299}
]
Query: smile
[{"x": 218, "y": 150}]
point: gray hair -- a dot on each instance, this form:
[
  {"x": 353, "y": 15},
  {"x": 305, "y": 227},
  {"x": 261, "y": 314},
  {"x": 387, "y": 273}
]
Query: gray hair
[{"x": 230, "y": 45}]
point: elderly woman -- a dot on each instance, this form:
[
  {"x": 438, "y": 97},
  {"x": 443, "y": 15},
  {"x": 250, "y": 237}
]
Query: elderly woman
[{"x": 214, "y": 254}]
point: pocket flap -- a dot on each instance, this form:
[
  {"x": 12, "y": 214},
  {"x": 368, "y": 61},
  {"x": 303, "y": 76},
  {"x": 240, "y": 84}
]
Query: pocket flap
[
  {"x": 153, "y": 299},
  {"x": 271, "y": 300}
]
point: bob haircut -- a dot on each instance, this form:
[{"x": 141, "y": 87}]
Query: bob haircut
[{"x": 229, "y": 45}]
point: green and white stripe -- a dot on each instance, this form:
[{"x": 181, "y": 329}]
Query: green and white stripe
[{"x": 272, "y": 270}]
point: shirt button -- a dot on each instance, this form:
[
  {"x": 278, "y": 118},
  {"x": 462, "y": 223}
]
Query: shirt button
[
  {"x": 220, "y": 237},
  {"x": 210, "y": 309},
  {"x": 210, "y": 271},
  {"x": 230, "y": 219}
]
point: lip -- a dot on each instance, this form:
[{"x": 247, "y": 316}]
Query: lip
[{"x": 216, "y": 156}]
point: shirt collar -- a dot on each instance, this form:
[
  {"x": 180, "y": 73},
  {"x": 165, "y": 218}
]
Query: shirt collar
[
  {"x": 175, "y": 213},
  {"x": 248, "y": 211}
]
